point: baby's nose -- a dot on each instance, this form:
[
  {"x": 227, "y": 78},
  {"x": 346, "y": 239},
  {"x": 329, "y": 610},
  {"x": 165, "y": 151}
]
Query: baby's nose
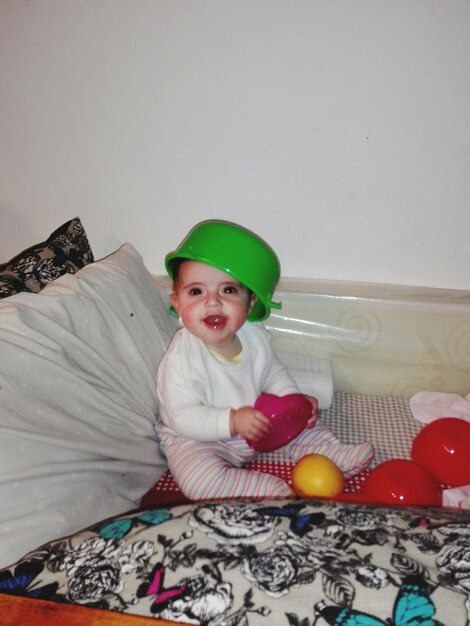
[{"x": 213, "y": 297}]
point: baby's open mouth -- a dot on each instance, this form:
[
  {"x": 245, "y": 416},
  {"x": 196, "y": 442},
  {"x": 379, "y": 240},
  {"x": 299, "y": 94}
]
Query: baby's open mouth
[{"x": 215, "y": 321}]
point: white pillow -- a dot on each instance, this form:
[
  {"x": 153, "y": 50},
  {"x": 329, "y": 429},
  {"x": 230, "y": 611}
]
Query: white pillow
[{"x": 78, "y": 400}]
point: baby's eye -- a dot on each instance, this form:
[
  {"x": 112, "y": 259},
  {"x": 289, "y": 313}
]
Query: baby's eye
[
  {"x": 230, "y": 289},
  {"x": 195, "y": 291}
]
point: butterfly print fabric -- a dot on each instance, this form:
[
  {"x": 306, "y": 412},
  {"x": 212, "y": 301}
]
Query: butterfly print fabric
[{"x": 241, "y": 563}]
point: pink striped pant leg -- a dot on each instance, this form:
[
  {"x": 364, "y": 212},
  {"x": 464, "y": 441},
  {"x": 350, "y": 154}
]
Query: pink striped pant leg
[
  {"x": 350, "y": 458},
  {"x": 211, "y": 470}
]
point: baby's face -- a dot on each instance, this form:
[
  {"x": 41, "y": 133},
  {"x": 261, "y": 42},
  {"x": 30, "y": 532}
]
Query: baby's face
[{"x": 212, "y": 304}]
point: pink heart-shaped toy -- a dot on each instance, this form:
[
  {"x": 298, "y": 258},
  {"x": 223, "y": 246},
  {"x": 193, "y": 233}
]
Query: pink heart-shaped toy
[{"x": 289, "y": 416}]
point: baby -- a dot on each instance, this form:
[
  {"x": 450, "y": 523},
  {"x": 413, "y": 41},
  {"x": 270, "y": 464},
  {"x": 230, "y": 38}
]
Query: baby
[{"x": 220, "y": 362}]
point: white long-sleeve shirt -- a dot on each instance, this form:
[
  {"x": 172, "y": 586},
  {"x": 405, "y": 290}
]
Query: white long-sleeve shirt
[{"x": 196, "y": 390}]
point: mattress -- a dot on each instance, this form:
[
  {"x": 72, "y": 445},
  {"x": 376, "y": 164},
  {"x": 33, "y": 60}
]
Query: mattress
[{"x": 385, "y": 421}]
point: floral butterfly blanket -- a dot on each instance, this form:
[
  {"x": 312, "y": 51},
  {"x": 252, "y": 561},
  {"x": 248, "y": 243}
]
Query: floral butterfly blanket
[{"x": 282, "y": 563}]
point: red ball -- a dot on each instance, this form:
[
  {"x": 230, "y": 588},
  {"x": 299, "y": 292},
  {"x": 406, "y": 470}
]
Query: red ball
[
  {"x": 402, "y": 482},
  {"x": 443, "y": 448}
]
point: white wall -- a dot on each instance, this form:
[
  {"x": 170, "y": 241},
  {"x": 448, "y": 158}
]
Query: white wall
[{"x": 336, "y": 129}]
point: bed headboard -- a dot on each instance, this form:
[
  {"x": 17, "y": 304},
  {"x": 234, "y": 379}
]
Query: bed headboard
[{"x": 381, "y": 339}]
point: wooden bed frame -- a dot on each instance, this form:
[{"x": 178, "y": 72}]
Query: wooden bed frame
[{"x": 18, "y": 611}]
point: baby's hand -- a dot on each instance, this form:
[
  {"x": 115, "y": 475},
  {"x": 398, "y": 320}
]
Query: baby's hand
[
  {"x": 249, "y": 423},
  {"x": 313, "y": 419}
]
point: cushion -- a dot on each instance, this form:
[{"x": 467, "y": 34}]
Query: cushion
[
  {"x": 66, "y": 250},
  {"x": 258, "y": 563},
  {"x": 78, "y": 399}
]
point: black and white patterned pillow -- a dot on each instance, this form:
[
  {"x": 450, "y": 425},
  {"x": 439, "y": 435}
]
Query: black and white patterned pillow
[{"x": 66, "y": 250}]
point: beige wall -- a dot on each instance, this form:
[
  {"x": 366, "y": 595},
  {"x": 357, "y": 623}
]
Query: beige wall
[{"x": 337, "y": 129}]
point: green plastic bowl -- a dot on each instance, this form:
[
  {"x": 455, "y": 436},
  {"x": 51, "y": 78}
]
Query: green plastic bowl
[{"x": 240, "y": 253}]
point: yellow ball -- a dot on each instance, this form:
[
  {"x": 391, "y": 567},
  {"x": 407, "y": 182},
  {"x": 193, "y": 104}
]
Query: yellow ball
[{"x": 315, "y": 476}]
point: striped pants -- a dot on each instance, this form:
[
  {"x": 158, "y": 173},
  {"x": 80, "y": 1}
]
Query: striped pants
[{"x": 214, "y": 469}]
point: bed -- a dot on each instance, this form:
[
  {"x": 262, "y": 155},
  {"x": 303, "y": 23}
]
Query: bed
[{"x": 93, "y": 529}]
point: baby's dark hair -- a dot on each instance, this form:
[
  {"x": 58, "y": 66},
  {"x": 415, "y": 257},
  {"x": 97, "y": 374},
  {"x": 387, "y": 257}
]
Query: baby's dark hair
[{"x": 175, "y": 267}]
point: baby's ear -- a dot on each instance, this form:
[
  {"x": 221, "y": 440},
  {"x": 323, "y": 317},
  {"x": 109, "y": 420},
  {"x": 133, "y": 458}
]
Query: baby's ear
[{"x": 252, "y": 302}]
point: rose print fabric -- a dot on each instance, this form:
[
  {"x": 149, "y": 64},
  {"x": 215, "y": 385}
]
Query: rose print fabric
[{"x": 241, "y": 563}]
